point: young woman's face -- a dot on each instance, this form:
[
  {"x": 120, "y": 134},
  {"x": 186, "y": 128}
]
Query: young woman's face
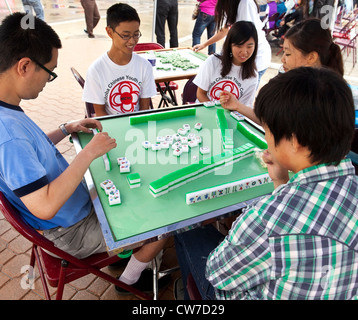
[
  {"x": 293, "y": 58},
  {"x": 241, "y": 53}
]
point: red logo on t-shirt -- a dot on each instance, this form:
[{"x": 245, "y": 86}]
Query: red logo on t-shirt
[
  {"x": 124, "y": 96},
  {"x": 224, "y": 85}
]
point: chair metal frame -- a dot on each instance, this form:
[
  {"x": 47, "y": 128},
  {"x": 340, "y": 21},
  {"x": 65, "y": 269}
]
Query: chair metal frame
[
  {"x": 89, "y": 110},
  {"x": 62, "y": 268}
]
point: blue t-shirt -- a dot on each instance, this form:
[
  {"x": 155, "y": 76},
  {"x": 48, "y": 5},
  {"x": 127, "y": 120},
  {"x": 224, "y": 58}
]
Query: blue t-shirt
[{"x": 29, "y": 161}]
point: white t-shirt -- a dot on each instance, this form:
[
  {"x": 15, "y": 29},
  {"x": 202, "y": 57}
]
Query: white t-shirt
[
  {"x": 210, "y": 80},
  {"x": 247, "y": 11},
  {"x": 117, "y": 87}
]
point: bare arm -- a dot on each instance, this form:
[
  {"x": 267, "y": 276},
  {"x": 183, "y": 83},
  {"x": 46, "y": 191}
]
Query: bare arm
[
  {"x": 215, "y": 38},
  {"x": 44, "y": 203},
  {"x": 100, "y": 110},
  {"x": 229, "y": 101},
  {"x": 201, "y": 95},
  {"x": 144, "y": 103}
]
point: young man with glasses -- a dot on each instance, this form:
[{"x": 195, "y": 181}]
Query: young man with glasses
[{"x": 120, "y": 81}]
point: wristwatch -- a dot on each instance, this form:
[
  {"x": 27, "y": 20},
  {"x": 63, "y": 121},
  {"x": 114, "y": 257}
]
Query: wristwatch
[{"x": 63, "y": 129}]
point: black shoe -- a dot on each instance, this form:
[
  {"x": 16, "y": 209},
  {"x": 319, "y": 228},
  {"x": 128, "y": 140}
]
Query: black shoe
[
  {"x": 145, "y": 283},
  {"x": 118, "y": 264},
  {"x": 178, "y": 290}
]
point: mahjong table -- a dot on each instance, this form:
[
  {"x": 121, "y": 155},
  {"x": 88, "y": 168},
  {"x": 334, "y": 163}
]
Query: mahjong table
[{"x": 144, "y": 214}]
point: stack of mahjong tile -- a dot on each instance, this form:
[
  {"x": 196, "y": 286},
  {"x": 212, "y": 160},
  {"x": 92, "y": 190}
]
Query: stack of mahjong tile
[
  {"x": 114, "y": 197},
  {"x": 124, "y": 165},
  {"x": 133, "y": 180}
]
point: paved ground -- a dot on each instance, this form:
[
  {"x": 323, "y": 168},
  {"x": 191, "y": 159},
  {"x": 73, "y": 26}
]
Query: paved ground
[{"x": 61, "y": 101}]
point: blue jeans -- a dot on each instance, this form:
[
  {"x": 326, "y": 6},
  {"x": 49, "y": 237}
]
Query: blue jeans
[
  {"x": 204, "y": 21},
  {"x": 36, "y": 5},
  {"x": 193, "y": 248}
]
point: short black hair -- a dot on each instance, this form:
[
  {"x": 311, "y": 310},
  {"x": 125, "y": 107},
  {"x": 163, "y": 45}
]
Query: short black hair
[
  {"x": 18, "y": 41},
  {"x": 315, "y": 105},
  {"x": 121, "y": 12}
]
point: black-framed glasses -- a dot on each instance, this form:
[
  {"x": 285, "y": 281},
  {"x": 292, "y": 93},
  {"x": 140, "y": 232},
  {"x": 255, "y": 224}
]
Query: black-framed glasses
[
  {"x": 126, "y": 37},
  {"x": 52, "y": 76}
]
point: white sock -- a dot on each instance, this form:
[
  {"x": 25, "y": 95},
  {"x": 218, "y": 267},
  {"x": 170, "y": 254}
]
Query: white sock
[{"x": 132, "y": 271}]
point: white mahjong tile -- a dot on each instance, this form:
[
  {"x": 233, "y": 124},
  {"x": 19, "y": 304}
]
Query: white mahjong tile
[
  {"x": 184, "y": 140},
  {"x": 182, "y": 131},
  {"x": 185, "y": 148},
  {"x": 160, "y": 138},
  {"x": 111, "y": 189},
  {"x": 198, "y": 126},
  {"x": 164, "y": 145},
  {"x": 176, "y": 145},
  {"x": 124, "y": 168},
  {"x": 146, "y": 144},
  {"x": 204, "y": 150},
  {"x": 186, "y": 127},
  {"x": 114, "y": 199},
  {"x": 193, "y": 143},
  {"x": 106, "y": 183},
  {"x": 177, "y": 152},
  {"x": 155, "y": 146},
  {"x": 191, "y": 136}
]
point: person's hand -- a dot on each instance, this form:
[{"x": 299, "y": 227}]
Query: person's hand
[
  {"x": 228, "y": 100},
  {"x": 84, "y": 125},
  {"x": 199, "y": 47},
  {"x": 277, "y": 173},
  {"x": 100, "y": 144}
]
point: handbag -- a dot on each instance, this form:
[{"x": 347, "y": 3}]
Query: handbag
[{"x": 196, "y": 10}]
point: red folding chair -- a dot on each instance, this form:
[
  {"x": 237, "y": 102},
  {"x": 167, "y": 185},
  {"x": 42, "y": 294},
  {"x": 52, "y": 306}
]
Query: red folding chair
[
  {"x": 58, "y": 271},
  {"x": 163, "y": 87}
]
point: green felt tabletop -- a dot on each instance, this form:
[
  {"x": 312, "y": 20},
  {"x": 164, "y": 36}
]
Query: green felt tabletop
[{"x": 139, "y": 211}]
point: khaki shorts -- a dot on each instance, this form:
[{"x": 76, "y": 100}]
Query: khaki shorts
[{"x": 80, "y": 240}]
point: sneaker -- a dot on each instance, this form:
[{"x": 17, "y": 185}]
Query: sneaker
[{"x": 145, "y": 283}]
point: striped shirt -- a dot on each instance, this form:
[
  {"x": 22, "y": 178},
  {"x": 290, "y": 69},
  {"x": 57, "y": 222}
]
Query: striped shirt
[{"x": 301, "y": 242}]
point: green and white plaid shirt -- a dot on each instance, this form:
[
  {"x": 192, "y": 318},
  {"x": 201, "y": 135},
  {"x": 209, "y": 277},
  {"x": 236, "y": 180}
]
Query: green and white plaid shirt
[{"x": 301, "y": 242}]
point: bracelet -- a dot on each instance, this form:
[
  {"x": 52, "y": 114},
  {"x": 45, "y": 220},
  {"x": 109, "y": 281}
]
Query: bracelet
[{"x": 63, "y": 129}]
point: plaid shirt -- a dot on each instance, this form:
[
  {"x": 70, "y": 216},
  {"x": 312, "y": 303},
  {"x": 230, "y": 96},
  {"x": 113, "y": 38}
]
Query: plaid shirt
[{"x": 301, "y": 242}]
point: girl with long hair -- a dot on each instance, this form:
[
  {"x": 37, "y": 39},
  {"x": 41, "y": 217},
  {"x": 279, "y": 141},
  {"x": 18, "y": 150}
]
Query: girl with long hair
[
  {"x": 234, "y": 70},
  {"x": 227, "y": 12}
]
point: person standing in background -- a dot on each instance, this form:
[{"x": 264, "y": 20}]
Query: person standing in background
[
  {"x": 205, "y": 20},
  {"x": 227, "y": 12},
  {"x": 167, "y": 10},
  {"x": 35, "y": 5},
  {"x": 91, "y": 15}
]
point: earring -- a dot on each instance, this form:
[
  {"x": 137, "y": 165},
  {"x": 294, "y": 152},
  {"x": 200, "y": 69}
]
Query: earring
[{"x": 230, "y": 54}]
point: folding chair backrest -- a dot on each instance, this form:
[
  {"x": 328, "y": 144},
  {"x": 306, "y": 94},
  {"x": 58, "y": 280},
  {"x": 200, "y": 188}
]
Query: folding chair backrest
[
  {"x": 148, "y": 46},
  {"x": 89, "y": 106},
  {"x": 13, "y": 217},
  {"x": 189, "y": 91}
]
